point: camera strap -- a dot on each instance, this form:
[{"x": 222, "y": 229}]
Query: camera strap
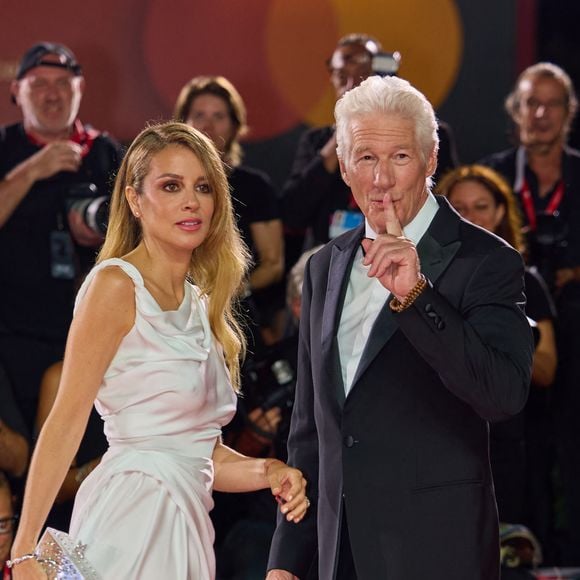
[
  {"x": 83, "y": 136},
  {"x": 522, "y": 186},
  {"x": 530, "y": 207}
]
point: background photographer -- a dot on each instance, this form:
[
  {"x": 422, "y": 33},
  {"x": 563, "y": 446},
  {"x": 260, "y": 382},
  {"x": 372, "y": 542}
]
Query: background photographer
[
  {"x": 54, "y": 184},
  {"x": 316, "y": 204},
  {"x": 545, "y": 173}
]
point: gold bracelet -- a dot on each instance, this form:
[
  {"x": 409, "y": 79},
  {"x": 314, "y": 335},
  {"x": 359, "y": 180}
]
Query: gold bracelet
[{"x": 397, "y": 306}]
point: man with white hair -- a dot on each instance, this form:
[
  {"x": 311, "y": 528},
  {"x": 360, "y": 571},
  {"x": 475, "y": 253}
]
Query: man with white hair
[
  {"x": 412, "y": 338},
  {"x": 315, "y": 200}
]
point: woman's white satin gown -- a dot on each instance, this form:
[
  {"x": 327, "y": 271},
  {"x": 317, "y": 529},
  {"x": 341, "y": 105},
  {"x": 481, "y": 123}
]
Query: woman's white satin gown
[{"x": 143, "y": 512}]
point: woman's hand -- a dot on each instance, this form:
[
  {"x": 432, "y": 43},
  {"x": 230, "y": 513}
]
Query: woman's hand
[
  {"x": 289, "y": 487},
  {"x": 29, "y": 570}
]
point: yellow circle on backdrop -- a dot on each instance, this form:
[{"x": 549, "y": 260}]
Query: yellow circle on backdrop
[{"x": 301, "y": 34}]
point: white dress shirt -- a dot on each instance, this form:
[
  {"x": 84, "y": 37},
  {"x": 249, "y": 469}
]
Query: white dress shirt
[{"x": 365, "y": 297}]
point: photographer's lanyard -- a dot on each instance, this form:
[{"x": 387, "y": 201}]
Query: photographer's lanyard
[
  {"x": 83, "y": 136},
  {"x": 530, "y": 208},
  {"x": 522, "y": 186}
]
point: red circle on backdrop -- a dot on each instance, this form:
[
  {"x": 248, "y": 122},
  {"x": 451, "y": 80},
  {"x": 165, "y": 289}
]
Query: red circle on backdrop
[{"x": 219, "y": 38}]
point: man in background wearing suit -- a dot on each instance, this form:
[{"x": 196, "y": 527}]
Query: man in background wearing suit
[{"x": 412, "y": 338}]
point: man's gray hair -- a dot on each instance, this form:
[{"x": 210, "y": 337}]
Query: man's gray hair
[
  {"x": 388, "y": 95},
  {"x": 546, "y": 70}
]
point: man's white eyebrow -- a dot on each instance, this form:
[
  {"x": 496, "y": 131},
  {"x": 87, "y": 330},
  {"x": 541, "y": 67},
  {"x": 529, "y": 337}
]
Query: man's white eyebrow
[
  {"x": 360, "y": 149},
  {"x": 363, "y": 148}
]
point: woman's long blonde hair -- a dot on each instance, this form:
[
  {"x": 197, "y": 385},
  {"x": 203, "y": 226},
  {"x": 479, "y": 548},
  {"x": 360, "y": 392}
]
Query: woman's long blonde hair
[{"x": 218, "y": 266}]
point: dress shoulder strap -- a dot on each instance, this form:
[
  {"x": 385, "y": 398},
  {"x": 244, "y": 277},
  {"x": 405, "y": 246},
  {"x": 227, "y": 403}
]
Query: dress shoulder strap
[{"x": 127, "y": 267}]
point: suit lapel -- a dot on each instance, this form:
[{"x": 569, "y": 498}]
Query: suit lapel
[
  {"x": 436, "y": 249},
  {"x": 434, "y": 257},
  {"x": 341, "y": 260}
]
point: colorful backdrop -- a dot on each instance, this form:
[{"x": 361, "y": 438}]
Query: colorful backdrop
[{"x": 137, "y": 54}]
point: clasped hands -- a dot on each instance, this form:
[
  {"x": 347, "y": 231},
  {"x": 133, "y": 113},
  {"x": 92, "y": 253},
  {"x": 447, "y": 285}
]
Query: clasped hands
[
  {"x": 289, "y": 488},
  {"x": 391, "y": 257}
]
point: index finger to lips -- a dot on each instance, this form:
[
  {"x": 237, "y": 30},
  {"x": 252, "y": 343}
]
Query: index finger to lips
[{"x": 392, "y": 224}]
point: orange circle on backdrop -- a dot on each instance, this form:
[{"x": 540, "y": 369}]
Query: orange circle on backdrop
[
  {"x": 427, "y": 34},
  {"x": 301, "y": 36},
  {"x": 274, "y": 51}
]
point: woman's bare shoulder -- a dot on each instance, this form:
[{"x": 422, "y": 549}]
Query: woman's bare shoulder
[{"x": 111, "y": 294}]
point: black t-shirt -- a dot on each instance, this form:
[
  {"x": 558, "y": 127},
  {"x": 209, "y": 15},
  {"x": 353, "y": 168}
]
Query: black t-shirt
[
  {"x": 254, "y": 200},
  {"x": 556, "y": 242},
  {"x": 539, "y": 304},
  {"x": 33, "y": 302}
]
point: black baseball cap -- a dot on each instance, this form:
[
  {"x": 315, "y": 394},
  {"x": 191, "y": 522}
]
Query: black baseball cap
[{"x": 35, "y": 56}]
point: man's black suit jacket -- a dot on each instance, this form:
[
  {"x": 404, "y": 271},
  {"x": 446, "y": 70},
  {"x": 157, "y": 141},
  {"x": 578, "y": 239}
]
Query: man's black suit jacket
[{"x": 406, "y": 452}]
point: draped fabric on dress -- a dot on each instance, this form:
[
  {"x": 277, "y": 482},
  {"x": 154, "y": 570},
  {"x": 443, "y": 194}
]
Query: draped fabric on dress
[{"x": 143, "y": 512}]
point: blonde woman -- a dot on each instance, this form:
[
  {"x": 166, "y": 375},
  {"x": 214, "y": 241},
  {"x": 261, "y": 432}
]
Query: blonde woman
[{"x": 155, "y": 342}]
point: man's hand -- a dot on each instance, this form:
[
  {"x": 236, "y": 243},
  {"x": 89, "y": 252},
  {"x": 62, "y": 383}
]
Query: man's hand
[
  {"x": 54, "y": 158},
  {"x": 83, "y": 235},
  {"x": 565, "y": 275},
  {"x": 257, "y": 438},
  {"x": 50, "y": 160},
  {"x": 392, "y": 258},
  {"x": 281, "y": 575},
  {"x": 328, "y": 154},
  {"x": 266, "y": 421}
]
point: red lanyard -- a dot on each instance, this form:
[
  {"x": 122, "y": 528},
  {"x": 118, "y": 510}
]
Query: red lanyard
[
  {"x": 81, "y": 135},
  {"x": 529, "y": 206}
]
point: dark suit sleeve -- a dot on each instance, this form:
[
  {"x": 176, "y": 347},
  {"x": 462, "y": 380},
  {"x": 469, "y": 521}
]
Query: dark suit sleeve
[
  {"x": 294, "y": 546},
  {"x": 482, "y": 351}
]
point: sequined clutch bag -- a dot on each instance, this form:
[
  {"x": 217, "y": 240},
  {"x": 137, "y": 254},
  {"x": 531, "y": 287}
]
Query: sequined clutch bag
[{"x": 62, "y": 558}]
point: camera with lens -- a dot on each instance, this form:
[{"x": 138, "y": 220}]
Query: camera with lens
[
  {"x": 386, "y": 64},
  {"x": 93, "y": 208},
  {"x": 269, "y": 382}
]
